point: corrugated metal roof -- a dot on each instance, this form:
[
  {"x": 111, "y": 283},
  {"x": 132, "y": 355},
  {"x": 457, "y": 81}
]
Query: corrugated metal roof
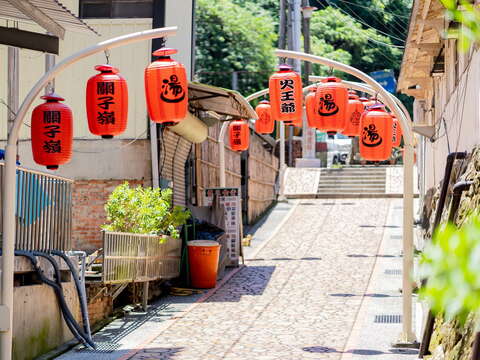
[{"x": 52, "y": 8}]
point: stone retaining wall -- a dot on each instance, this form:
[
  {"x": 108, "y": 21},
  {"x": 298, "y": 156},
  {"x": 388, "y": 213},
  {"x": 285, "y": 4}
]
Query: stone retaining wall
[{"x": 451, "y": 340}]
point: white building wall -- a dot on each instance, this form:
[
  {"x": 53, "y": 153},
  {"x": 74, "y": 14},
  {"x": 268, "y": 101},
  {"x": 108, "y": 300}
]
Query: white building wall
[{"x": 457, "y": 114}]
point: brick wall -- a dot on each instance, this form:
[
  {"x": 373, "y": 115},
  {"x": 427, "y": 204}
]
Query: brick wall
[{"x": 89, "y": 197}]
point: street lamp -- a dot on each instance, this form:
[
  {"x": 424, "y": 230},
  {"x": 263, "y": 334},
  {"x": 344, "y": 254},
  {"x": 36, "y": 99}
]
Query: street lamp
[{"x": 307, "y": 11}]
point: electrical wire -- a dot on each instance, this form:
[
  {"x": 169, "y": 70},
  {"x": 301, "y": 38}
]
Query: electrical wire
[
  {"x": 372, "y": 8},
  {"x": 401, "y": 32},
  {"x": 365, "y": 24}
]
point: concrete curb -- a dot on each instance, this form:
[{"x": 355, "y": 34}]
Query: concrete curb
[{"x": 275, "y": 232}]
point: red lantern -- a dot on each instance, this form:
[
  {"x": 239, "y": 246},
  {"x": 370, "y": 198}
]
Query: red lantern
[
  {"x": 354, "y": 113},
  {"x": 331, "y": 105},
  {"x": 265, "y": 123},
  {"x": 107, "y": 102},
  {"x": 364, "y": 101},
  {"x": 166, "y": 89},
  {"x": 396, "y": 132},
  {"x": 312, "y": 118},
  {"x": 296, "y": 122},
  {"x": 285, "y": 88},
  {"x": 376, "y": 137},
  {"x": 371, "y": 101},
  {"x": 239, "y": 135},
  {"x": 52, "y": 132}
]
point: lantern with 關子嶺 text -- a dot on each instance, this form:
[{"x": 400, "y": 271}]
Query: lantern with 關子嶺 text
[
  {"x": 285, "y": 87},
  {"x": 52, "y": 132},
  {"x": 107, "y": 102},
  {"x": 166, "y": 88},
  {"x": 354, "y": 112},
  {"x": 312, "y": 117},
  {"x": 239, "y": 134},
  {"x": 265, "y": 123},
  {"x": 396, "y": 132},
  {"x": 331, "y": 105},
  {"x": 376, "y": 136}
]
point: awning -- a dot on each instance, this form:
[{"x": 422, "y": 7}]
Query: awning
[
  {"x": 423, "y": 48},
  {"x": 223, "y": 102},
  {"x": 51, "y": 15}
]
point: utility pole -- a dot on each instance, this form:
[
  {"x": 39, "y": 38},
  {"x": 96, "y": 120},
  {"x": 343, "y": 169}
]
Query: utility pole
[
  {"x": 13, "y": 85},
  {"x": 308, "y": 134},
  {"x": 293, "y": 40},
  {"x": 235, "y": 80}
]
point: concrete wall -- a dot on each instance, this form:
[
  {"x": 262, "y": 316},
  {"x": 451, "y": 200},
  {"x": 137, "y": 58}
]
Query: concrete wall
[{"x": 455, "y": 110}]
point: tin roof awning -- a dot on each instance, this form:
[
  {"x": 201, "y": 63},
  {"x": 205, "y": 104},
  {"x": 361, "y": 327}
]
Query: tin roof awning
[
  {"x": 51, "y": 15},
  {"x": 218, "y": 103}
]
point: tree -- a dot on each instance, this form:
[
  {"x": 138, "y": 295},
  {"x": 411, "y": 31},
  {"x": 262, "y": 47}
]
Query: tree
[
  {"x": 230, "y": 38},
  {"x": 339, "y": 36}
]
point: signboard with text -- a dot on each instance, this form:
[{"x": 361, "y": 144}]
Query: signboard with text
[{"x": 230, "y": 199}]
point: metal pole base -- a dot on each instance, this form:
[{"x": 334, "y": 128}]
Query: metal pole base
[{"x": 406, "y": 344}]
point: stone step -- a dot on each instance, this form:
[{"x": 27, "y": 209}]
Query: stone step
[
  {"x": 352, "y": 171},
  {"x": 350, "y": 185},
  {"x": 353, "y": 179},
  {"x": 350, "y": 191},
  {"x": 353, "y": 174}
]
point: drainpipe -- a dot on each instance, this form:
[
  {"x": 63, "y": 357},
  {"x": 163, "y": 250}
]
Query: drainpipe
[
  {"x": 427, "y": 333},
  {"x": 458, "y": 189}
]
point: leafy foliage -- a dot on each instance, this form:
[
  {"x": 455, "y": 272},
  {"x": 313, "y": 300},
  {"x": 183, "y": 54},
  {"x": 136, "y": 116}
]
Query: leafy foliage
[
  {"x": 144, "y": 211},
  {"x": 338, "y": 36},
  {"x": 451, "y": 264},
  {"x": 230, "y": 38},
  {"x": 469, "y": 17}
]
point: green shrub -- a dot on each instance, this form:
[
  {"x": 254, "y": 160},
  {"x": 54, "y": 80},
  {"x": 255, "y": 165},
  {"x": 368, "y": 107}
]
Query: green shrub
[
  {"x": 144, "y": 211},
  {"x": 451, "y": 265}
]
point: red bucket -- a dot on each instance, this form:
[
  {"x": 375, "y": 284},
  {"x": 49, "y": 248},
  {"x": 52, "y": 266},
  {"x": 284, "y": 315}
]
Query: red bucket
[{"x": 203, "y": 263}]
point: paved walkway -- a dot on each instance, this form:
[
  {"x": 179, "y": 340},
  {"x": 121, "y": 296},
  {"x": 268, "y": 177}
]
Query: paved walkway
[{"x": 301, "y": 296}]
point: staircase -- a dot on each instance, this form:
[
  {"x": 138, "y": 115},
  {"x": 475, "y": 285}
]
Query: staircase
[{"x": 352, "y": 181}]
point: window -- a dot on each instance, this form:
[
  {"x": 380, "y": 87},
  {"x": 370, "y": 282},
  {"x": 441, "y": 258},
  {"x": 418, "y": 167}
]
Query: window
[{"x": 116, "y": 9}]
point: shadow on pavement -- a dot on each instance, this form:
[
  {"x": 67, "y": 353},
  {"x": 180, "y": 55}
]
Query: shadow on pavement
[
  {"x": 157, "y": 353},
  {"x": 365, "y": 352},
  {"x": 251, "y": 281}
]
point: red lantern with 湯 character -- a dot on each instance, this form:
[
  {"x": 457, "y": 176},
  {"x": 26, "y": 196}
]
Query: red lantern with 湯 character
[
  {"x": 376, "y": 137},
  {"x": 239, "y": 134},
  {"x": 265, "y": 123},
  {"x": 166, "y": 88},
  {"x": 285, "y": 87},
  {"x": 396, "y": 132},
  {"x": 107, "y": 102},
  {"x": 331, "y": 105},
  {"x": 312, "y": 117},
  {"x": 355, "y": 110},
  {"x": 52, "y": 132}
]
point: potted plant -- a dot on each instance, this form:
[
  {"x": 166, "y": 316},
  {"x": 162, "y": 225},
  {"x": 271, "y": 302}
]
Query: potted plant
[{"x": 144, "y": 211}]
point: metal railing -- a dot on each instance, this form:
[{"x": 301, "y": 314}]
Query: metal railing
[
  {"x": 137, "y": 257},
  {"x": 43, "y": 210}
]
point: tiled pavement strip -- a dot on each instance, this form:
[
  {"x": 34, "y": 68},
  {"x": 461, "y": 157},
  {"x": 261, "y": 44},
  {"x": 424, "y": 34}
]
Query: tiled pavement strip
[{"x": 298, "y": 298}]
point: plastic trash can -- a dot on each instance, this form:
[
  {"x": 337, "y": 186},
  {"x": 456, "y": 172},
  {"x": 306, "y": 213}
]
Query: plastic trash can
[{"x": 203, "y": 263}]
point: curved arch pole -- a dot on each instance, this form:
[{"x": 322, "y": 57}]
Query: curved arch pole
[
  {"x": 364, "y": 88},
  {"x": 8, "y": 244},
  {"x": 407, "y": 335},
  {"x": 353, "y": 85}
]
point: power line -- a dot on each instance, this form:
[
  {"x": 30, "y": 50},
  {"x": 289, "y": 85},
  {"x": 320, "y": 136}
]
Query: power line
[
  {"x": 363, "y": 23},
  {"x": 371, "y": 8},
  {"x": 401, "y": 30}
]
